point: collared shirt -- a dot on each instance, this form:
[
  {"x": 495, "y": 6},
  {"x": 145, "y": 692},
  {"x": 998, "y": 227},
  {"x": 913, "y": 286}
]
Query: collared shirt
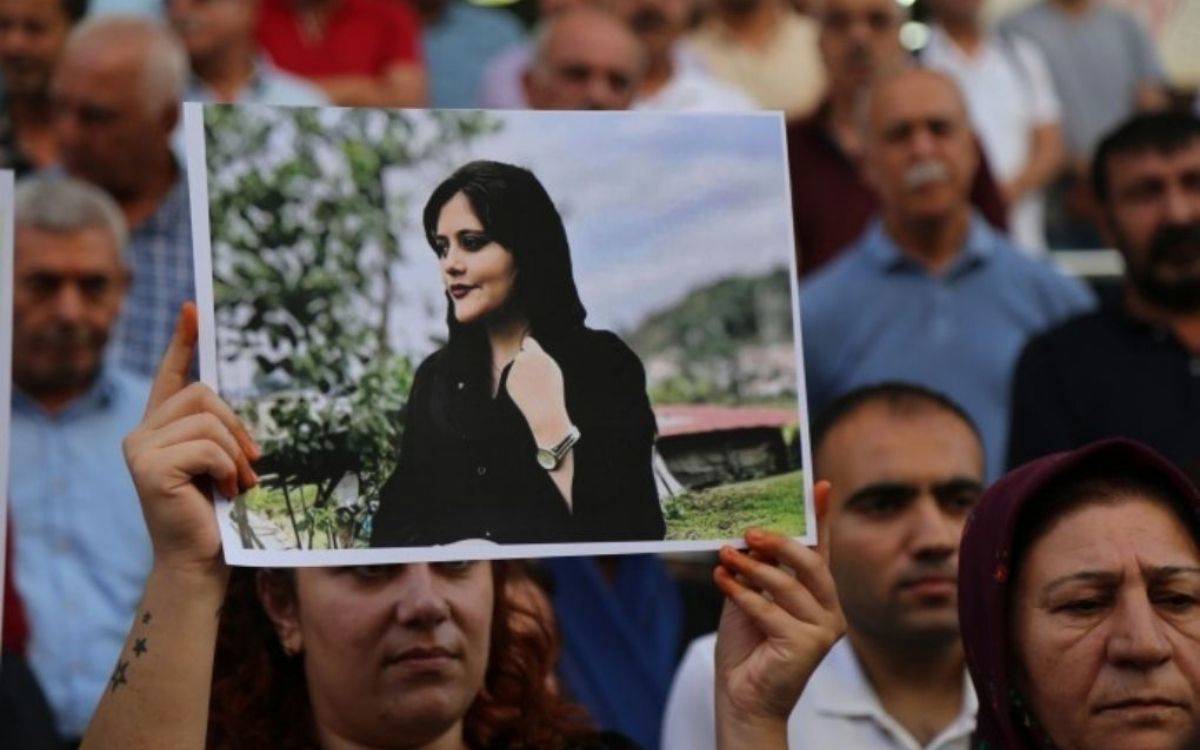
[
  {"x": 1098, "y": 59},
  {"x": 837, "y": 711},
  {"x": 82, "y": 552},
  {"x": 160, "y": 252},
  {"x": 1009, "y": 93},
  {"x": 876, "y": 314},
  {"x": 459, "y": 47},
  {"x": 831, "y": 201},
  {"x": 267, "y": 85},
  {"x": 1107, "y": 374}
]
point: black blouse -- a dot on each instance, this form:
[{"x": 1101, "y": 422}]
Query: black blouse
[{"x": 468, "y": 470}]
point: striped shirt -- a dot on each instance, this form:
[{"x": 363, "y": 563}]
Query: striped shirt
[{"x": 160, "y": 252}]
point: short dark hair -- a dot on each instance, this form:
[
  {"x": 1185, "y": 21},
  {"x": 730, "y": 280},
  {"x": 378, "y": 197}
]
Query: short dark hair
[
  {"x": 897, "y": 396},
  {"x": 1101, "y": 480},
  {"x": 1159, "y": 132}
]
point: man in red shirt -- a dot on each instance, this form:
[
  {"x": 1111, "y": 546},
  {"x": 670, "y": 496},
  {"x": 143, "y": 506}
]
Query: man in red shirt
[{"x": 363, "y": 53}]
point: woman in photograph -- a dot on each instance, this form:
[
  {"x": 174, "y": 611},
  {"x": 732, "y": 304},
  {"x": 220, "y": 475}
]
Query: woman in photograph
[
  {"x": 527, "y": 426},
  {"x": 443, "y": 656}
]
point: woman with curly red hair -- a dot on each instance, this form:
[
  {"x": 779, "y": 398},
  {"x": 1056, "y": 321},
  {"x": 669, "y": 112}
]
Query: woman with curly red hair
[{"x": 429, "y": 656}]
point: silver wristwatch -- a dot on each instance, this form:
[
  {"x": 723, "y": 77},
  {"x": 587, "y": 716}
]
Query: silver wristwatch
[{"x": 550, "y": 458}]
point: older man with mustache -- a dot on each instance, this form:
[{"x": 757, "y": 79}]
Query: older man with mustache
[
  {"x": 80, "y": 548},
  {"x": 1132, "y": 370},
  {"x": 930, "y": 293}
]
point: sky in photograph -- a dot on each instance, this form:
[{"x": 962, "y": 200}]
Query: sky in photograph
[{"x": 655, "y": 206}]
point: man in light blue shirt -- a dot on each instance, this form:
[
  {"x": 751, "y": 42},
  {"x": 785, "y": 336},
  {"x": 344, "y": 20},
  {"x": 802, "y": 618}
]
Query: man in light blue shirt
[
  {"x": 226, "y": 62},
  {"x": 929, "y": 294},
  {"x": 459, "y": 39},
  {"x": 81, "y": 551}
]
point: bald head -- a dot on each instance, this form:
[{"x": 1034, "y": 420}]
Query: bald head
[
  {"x": 920, "y": 152},
  {"x": 586, "y": 58},
  {"x": 145, "y": 51},
  {"x": 116, "y": 93}
]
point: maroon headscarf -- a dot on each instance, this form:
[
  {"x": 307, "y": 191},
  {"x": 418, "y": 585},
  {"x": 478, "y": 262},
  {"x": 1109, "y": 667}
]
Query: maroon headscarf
[{"x": 984, "y": 576}]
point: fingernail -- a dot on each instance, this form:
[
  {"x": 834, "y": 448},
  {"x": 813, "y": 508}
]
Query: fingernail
[{"x": 754, "y": 535}]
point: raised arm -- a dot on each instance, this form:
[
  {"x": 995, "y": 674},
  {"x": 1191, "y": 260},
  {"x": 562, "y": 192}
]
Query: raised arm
[
  {"x": 781, "y": 617},
  {"x": 189, "y": 440}
]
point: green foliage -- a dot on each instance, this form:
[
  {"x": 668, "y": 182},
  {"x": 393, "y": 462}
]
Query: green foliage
[
  {"x": 304, "y": 234},
  {"x": 725, "y": 512},
  {"x": 706, "y": 332}
]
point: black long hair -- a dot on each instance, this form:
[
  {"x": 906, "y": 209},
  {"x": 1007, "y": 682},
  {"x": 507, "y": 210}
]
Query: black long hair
[{"x": 517, "y": 212}]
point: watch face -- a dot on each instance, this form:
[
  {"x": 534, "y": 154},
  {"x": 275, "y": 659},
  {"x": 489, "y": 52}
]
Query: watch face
[{"x": 546, "y": 460}]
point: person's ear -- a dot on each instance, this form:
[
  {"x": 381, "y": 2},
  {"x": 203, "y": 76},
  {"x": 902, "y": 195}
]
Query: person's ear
[{"x": 277, "y": 595}]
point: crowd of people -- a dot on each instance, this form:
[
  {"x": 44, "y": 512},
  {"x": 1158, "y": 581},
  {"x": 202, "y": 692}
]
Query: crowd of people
[{"x": 1007, "y": 508}]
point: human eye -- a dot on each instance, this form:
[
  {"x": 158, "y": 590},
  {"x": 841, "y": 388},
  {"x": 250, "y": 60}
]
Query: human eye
[
  {"x": 472, "y": 241},
  {"x": 455, "y": 567},
  {"x": 881, "y": 504},
  {"x": 1083, "y": 606},
  {"x": 373, "y": 573},
  {"x": 94, "y": 286}
]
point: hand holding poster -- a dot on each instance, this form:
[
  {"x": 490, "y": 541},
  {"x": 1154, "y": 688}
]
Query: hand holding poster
[{"x": 456, "y": 330}]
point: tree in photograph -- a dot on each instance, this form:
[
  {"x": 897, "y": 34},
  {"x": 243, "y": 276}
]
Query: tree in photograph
[{"x": 305, "y": 238}]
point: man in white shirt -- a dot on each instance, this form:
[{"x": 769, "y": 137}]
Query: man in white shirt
[
  {"x": 1013, "y": 105},
  {"x": 672, "y": 80},
  {"x": 906, "y": 467}
]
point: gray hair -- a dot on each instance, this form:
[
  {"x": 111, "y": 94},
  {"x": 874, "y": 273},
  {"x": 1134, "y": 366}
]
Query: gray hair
[
  {"x": 165, "y": 65},
  {"x": 65, "y": 205}
]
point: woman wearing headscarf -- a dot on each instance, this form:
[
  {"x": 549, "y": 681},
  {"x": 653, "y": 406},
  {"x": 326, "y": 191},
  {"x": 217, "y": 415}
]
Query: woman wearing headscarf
[{"x": 1079, "y": 601}]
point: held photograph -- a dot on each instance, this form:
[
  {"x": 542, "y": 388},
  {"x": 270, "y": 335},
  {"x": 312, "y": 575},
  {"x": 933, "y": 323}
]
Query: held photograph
[{"x": 466, "y": 334}]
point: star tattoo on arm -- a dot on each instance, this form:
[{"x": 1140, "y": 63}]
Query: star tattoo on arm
[
  {"x": 139, "y": 647},
  {"x": 118, "y": 676},
  {"x": 146, "y": 618}
]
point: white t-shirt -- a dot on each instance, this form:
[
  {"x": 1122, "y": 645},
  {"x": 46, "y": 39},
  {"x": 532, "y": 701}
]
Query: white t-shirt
[
  {"x": 1009, "y": 92},
  {"x": 838, "y": 710}
]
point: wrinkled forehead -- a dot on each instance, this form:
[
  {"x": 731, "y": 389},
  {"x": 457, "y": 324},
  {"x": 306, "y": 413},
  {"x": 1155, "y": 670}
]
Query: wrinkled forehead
[
  {"x": 593, "y": 41},
  {"x": 88, "y": 250},
  {"x": 1132, "y": 532},
  {"x": 913, "y": 97}
]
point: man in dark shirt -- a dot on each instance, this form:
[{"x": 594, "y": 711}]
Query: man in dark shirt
[
  {"x": 831, "y": 201},
  {"x": 1133, "y": 369}
]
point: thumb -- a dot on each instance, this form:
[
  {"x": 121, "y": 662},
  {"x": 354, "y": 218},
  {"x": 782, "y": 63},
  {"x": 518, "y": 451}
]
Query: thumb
[{"x": 173, "y": 371}]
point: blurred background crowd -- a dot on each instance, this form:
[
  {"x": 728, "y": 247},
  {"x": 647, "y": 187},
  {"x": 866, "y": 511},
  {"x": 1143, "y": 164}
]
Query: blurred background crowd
[{"x": 995, "y": 201}]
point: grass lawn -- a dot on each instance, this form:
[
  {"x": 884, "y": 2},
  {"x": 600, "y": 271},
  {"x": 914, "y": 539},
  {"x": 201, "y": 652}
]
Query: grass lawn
[{"x": 723, "y": 512}]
